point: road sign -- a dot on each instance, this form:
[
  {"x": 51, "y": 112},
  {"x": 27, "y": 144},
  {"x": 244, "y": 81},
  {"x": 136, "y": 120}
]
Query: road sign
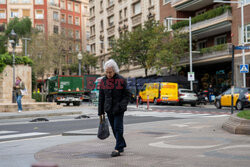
[
  {"x": 242, "y": 47},
  {"x": 244, "y": 68},
  {"x": 190, "y": 76}
]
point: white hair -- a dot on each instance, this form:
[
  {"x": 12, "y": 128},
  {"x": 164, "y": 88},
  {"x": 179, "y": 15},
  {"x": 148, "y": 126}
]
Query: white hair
[{"x": 113, "y": 64}]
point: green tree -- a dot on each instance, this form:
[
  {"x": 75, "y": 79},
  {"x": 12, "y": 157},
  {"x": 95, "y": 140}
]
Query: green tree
[{"x": 151, "y": 47}]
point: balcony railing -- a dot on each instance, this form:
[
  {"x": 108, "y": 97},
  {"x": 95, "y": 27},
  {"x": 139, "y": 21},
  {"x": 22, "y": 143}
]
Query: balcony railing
[
  {"x": 110, "y": 10},
  {"x": 111, "y": 30},
  {"x": 136, "y": 19},
  {"x": 92, "y": 20}
]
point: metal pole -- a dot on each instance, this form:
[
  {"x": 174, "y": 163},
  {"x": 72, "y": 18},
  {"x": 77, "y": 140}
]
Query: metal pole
[
  {"x": 242, "y": 40},
  {"x": 232, "y": 87},
  {"x": 79, "y": 68},
  {"x": 14, "y": 83},
  {"x": 190, "y": 49}
]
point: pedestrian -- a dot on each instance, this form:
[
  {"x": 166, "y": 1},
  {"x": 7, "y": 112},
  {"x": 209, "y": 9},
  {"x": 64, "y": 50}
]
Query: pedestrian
[
  {"x": 113, "y": 99},
  {"x": 19, "y": 85},
  {"x": 211, "y": 93}
]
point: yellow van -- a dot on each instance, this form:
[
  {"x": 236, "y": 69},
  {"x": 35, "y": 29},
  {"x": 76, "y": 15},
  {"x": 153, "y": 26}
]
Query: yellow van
[{"x": 161, "y": 92}]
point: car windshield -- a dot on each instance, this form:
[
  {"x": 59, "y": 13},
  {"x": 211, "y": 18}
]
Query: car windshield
[{"x": 187, "y": 91}]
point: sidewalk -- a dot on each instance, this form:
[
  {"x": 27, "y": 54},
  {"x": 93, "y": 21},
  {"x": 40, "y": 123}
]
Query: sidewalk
[{"x": 180, "y": 142}]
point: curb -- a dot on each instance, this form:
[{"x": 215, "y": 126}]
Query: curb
[
  {"x": 237, "y": 125},
  {"x": 81, "y": 132},
  {"x": 38, "y": 115}
]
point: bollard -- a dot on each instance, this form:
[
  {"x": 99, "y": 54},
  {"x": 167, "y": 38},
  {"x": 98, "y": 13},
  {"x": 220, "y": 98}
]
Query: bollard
[
  {"x": 147, "y": 102},
  {"x": 137, "y": 99},
  {"x": 44, "y": 164}
]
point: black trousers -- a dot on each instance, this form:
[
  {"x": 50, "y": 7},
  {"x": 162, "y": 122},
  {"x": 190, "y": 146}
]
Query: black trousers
[{"x": 116, "y": 122}]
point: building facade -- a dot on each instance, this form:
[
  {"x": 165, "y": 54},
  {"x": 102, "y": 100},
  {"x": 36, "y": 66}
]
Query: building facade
[
  {"x": 215, "y": 27},
  {"x": 108, "y": 18}
]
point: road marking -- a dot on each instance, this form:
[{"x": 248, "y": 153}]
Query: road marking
[
  {"x": 161, "y": 144},
  {"x": 22, "y": 135},
  {"x": 7, "y": 132}
]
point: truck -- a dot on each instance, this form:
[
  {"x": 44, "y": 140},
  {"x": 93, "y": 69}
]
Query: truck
[{"x": 69, "y": 89}]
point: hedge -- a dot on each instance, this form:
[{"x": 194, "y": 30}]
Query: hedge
[
  {"x": 214, "y": 48},
  {"x": 205, "y": 16},
  {"x": 6, "y": 59}
]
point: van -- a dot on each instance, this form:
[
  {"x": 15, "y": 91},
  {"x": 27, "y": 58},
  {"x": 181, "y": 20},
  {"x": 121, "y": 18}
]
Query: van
[{"x": 161, "y": 92}]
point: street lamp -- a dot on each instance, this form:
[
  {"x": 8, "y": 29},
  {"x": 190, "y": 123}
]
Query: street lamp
[
  {"x": 12, "y": 40},
  {"x": 190, "y": 46},
  {"x": 241, "y": 2},
  {"x": 79, "y": 56}
]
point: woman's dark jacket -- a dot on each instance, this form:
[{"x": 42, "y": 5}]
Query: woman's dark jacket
[{"x": 113, "y": 95}]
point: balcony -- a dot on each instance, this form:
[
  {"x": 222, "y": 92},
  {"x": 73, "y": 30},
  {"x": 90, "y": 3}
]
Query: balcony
[
  {"x": 92, "y": 39},
  {"x": 136, "y": 19},
  {"x": 217, "y": 53},
  {"x": 92, "y": 21},
  {"x": 110, "y": 10},
  {"x": 190, "y": 5},
  {"x": 111, "y": 30}
]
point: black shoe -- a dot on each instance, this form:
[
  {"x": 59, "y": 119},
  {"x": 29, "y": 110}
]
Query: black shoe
[
  {"x": 115, "y": 153},
  {"x": 121, "y": 151}
]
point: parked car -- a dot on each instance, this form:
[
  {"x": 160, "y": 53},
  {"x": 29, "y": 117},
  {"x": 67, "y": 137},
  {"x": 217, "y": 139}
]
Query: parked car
[
  {"x": 187, "y": 96},
  {"x": 241, "y": 98}
]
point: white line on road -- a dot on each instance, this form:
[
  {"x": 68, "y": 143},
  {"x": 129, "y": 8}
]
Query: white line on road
[
  {"x": 7, "y": 132},
  {"x": 22, "y": 135}
]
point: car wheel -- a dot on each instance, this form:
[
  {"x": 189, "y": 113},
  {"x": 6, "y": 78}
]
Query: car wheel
[
  {"x": 239, "y": 105},
  {"x": 217, "y": 104},
  {"x": 155, "y": 102},
  {"x": 193, "y": 104}
]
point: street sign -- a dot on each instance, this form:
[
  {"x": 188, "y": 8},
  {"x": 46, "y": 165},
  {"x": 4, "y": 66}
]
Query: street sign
[
  {"x": 191, "y": 76},
  {"x": 242, "y": 47},
  {"x": 244, "y": 68}
]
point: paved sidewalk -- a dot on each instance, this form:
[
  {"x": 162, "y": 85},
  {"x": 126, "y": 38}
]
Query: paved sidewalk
[{"x": 197, "y": 142}]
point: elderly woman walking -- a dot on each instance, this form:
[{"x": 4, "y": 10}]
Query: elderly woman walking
[{"x": 113, "y": 99}]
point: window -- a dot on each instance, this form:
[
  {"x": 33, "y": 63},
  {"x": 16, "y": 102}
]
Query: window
[
  {"x": 71, "y": 34},
  {"x": 111, "y": 20},
  {"x": 39, "y": 14},
  {"x": 220, "y": 40},
  {"x": 56, "y": 29},
  {"x": 63, "y": 31},
  {"x": 137, "y": 8},
  {"x": 125, "y": 12},
  {"x": 110, "y": 2},
  {"x": 77, "y": 21},
  {"x": 26, "y": 13},
  {"x": 70, "y": 21},
  {"x": 102, "y": 44},
  {"x": 77, "y": 34},
  {"x": 92, "y": 30},
  {"x": 70, "y": 6},
  {"x": 101, "y": 5},
  {"x": 63, "y": 5},
  {"x": 201, "y": 45},
  {"x": 77, "y": 47},
  {"x": 92, "y": 11},
  {"x": 247, "y": 33},
  {"x": 39, "y": 2},
  {"x": 151, "y": 2},
  {"x": 101, "y": 25},
  {"x": 13, "y": 1},
  {"x": 2, "y": 1},
  {"x": 165, "y": 2},
  {"x": 2, "y": 14},
  {"x": 200, "y": 12},
  {"x": 25, "y": 1},
  {"x": 14, "y": 13},
  {"x": 77, "y": 9},
  {"x": 63, "y": 18},
  {"x": 110, "y": 42},
  {"x": 92, "y": 47},
  {"x": 40, "y": 27},
  {"x": 55, "y": 16},
  {"x": 168, "y": 23},
  {"x": 120, "y": 14}
]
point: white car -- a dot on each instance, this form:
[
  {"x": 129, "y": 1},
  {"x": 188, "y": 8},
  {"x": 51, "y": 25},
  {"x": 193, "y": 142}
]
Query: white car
[{"x": 187, "y": 96}]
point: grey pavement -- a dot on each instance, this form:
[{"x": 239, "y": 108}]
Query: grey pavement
[{"x": 192, "y": 142}]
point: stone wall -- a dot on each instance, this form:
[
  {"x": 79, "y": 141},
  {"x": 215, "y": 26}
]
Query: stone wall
[{"x": 6, "y": 83}]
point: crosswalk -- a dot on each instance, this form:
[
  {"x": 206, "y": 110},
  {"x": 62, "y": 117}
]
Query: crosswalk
[{"x": 12, "y": 135}]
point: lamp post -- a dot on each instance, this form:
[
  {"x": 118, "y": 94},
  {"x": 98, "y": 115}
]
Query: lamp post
[
  {"x": 12, "y": 40},
  {"x": 241, "y": 2},
  {"x": 79, "y": 56},
  {"x": 190, "y": 45}
]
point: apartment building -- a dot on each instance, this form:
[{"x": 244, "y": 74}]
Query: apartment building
[
  {"x": 108, "y": 18},
  {"x": 50, "y": 17},
  {"x": 215, "y": 27}
]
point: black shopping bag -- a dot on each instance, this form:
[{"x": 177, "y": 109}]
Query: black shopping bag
[{"x": 103, "y": 130}]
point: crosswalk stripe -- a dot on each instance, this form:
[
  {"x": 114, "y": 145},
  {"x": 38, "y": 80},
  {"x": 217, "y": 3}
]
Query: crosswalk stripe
[
  {"x": 7, "y": 132},
  {"x": 22, "y": 135}
]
